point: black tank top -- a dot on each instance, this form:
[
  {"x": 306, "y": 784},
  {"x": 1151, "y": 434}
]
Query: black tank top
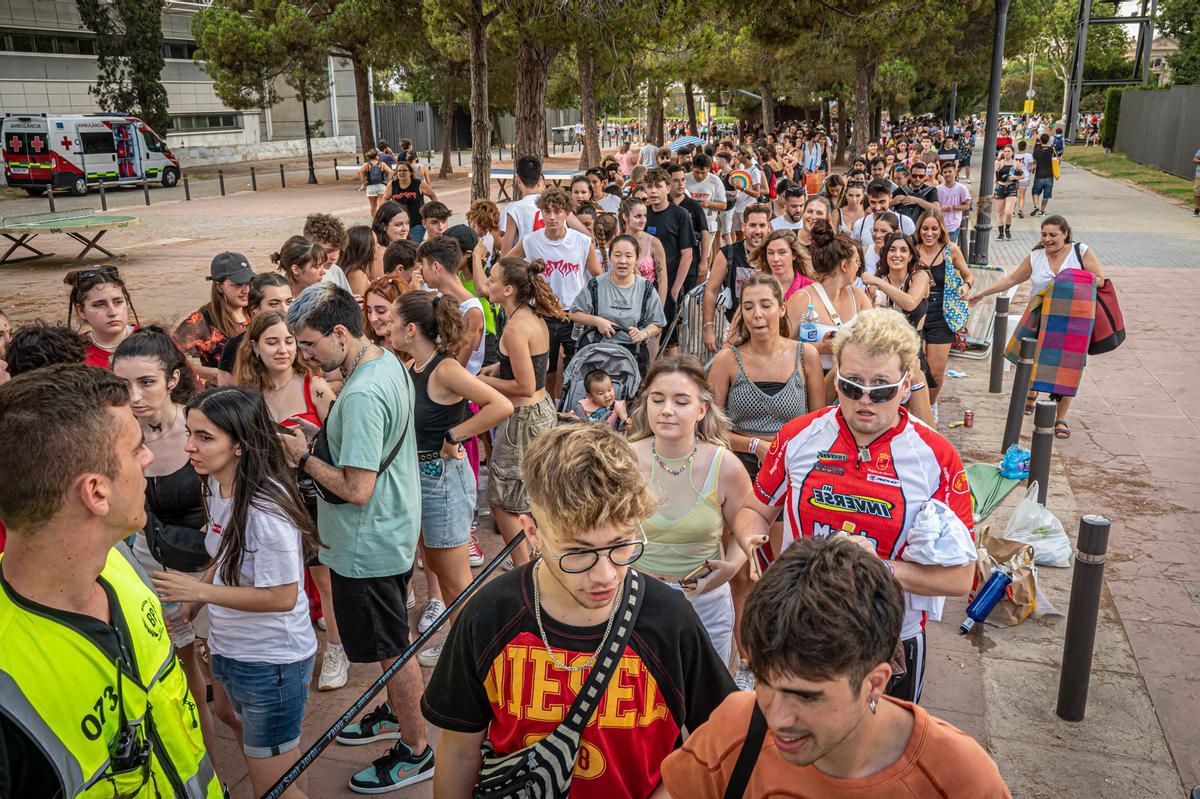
[
  {"x": 176, "y": 498},
  {"x": 432, "y": 419},
  {"x": 736, "y": 262},
  {"x": 411, "y": 198},
  {"x": 540, "y": 364}
]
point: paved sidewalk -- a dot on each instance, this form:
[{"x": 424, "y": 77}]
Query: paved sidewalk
[{"x": 1134, "y": 456}]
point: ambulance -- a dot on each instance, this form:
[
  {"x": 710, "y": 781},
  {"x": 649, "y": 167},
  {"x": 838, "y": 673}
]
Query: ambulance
[{"x": 71, "y": 151}]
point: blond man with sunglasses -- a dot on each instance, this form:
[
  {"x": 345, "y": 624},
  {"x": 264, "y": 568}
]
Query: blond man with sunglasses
[{"x": 866, "y": 468}]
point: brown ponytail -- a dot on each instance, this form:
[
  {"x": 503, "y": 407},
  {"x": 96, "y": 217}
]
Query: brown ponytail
[
  {"x": 530, "y": 287},
  {"x": 437, "y": 319}
]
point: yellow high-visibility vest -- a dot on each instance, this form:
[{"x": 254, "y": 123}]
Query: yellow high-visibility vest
[{"x": 64, "y": 692}]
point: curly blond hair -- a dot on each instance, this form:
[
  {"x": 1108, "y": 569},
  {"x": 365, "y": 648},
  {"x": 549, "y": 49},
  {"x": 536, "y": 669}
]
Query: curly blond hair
[
  {"x": 583, "y": 476},
  {"x": 879, "y": 331}
]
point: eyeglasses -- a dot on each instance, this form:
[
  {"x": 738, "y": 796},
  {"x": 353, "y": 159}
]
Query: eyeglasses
[
  {"x": 307, "y": 347},
  {"x": 877, "y": 394},
  {"x": 582, "y": 560}
]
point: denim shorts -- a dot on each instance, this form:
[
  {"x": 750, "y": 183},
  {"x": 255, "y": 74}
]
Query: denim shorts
[
  {"x": 1044, "y": 187},
  {"x": 447, "y": 501},
  {"x": 268, "y": 699}
]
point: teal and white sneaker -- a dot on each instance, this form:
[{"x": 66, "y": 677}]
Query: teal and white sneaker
[
  {"x": 379, "y": 724},
  {"x": 398, "y": 768}
]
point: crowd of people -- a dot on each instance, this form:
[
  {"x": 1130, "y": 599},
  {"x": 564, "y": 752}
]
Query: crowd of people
[{"x": 287, "y": 457}]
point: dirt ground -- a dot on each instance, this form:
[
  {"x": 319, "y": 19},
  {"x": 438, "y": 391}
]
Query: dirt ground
[{"x": 164, "y": 258}]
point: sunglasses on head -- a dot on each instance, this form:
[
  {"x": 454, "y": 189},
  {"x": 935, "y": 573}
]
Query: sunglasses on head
[
  {"x": 794, "y": 191},
  {"x": 87, "y": 274},
  {"x": 877, "y": 394}
]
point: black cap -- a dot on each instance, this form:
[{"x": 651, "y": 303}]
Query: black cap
[
  {"x": 466, "y": 237},
  {"x": 231, "y": 266}
]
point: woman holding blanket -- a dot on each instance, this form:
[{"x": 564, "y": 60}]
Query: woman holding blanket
[{"x": 1050, "y": 262}]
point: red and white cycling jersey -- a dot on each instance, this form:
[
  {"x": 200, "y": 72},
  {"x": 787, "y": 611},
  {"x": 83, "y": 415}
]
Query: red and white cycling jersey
[{"x": 828, "y": 483}]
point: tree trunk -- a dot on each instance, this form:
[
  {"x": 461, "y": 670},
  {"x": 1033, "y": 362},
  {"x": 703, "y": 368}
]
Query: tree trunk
[
  {"x": 448, "y": 121},
  {"x": 768, "y": 106},
  {"x": 1066, "y": 82},
  {"x": 588, "y": 107},
  {"x": 862, "y": 103},
  {"x": 481, "y": 134},
  {"x": 876, "y": 117},
  {"x": 362, "y": 98},
  {"x": 689, "y": 97},
  {"x": 840, "y": 157},
  {"x": 654, "y": 114},
  {"x": 533, "y": 70}
]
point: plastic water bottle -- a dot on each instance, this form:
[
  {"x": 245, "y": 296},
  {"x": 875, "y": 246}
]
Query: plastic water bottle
[
  {"x": 983, "y": 603},
  {"x": 808, "y": 326},
  {"x": 179, "y": 627}
]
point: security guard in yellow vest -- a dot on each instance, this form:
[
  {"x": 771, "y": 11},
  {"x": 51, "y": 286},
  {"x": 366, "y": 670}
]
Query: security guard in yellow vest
[{"x": 93, "y": 702}]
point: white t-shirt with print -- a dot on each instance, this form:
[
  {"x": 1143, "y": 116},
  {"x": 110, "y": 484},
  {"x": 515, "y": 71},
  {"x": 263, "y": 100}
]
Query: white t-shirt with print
[
  {"x": 711, "y": 189},
  {"x": 273, "y": 556},
  {"x": 525, "y": 214},
  {"x": 566, "y": 261}
]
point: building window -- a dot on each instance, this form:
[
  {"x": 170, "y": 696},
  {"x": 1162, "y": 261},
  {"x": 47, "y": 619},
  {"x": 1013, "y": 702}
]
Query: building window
[
  {"x": 16, "y": 40},
  {"x": 175, "y": 48},
  {"x": 188, "y": 123}
]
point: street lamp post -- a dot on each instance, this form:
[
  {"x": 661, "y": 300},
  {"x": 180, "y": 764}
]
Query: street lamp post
[{"x": 983, "y": 224}]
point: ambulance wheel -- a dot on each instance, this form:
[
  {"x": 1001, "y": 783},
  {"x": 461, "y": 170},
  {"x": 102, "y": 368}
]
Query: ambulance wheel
[
  {"x": 35, "y": 192},
  {"x": 170, "y": 177},
  {"x": 79, "y": 187}
]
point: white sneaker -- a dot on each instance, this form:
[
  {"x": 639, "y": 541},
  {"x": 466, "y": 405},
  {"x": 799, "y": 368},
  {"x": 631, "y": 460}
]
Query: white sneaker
[
  {"x": 429, "y": 614},
  {"x": 429, "y": 657},
  {"x": 744, "y": 679},
  {"x": 335, "y": 669},
  {"x": 411, "y": 601},
  {"x": 474, "y": 553}
]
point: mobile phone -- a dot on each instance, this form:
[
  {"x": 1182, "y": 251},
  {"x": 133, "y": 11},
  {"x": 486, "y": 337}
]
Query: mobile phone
[
  {"x": 287, "y": 428},
  {"x": 764, "y": 556},
  {"x": 703, "y": 570}
]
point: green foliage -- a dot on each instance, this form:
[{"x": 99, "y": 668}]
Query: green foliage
[
  {"x": 1112, "y": 116},
  {"x": 246, "y": 46},
  {"x": 1180, "y": 19},
  {"x": 130, "y": 61}
]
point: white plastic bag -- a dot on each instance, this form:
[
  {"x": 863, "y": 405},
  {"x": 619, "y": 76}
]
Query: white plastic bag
[{"x": 1033, "y": 524}]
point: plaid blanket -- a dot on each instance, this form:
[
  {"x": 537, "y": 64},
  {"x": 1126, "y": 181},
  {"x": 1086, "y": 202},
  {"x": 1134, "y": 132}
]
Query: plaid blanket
[{"x": 1060, "y": 317}]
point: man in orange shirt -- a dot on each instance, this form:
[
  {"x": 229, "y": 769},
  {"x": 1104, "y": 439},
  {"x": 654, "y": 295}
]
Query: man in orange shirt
[{"x": 820, "y": 628}]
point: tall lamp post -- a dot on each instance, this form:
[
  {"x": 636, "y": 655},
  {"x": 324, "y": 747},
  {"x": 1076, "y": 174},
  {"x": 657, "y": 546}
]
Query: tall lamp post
[{"x": 987, "y": 177}]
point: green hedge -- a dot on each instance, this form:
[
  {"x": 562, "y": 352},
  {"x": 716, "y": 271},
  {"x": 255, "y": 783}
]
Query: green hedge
[{"x": 1112, "y": 116}]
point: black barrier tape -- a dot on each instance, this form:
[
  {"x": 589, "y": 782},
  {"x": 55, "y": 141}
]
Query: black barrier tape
[{"x": 310, "y": 757}]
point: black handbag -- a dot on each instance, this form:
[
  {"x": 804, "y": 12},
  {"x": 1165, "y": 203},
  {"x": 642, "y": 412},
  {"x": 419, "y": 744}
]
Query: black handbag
[
  {"x": 178, "y": 548},
  {"x": 320, "y": 450},
  {"x": 543, "y": 770}
]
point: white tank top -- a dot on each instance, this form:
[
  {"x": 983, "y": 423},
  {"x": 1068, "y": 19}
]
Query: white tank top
[
  {"x": 1042, "y": 273},
  {"x": 566, "y": 261},
  {"x": 526, "y": 214},
  {"x": 476, "y": 362}
]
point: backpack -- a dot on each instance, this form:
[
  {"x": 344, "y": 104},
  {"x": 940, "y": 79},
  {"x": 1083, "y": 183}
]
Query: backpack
[
  {"x": 375, "y": 174},
  {"x": 585, "y": 334}
]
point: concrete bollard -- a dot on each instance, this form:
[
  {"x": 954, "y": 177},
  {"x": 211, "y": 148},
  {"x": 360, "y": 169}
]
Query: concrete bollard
[
  {"x": 221, "y": 180},
  {"x": 1042, "y": 446},
  {"x": 253, "y": 180},
  {"x": 282, "y": 179},
  {"x": 1080, "y": 639},
  {"x": 1020, "y": 388},
  {"x": 999, "y": 337},
  {"x": 50, "y": 196},
  {"x": 146, "y": 188},
  {"x": 187, "y": 189},
  {"x": 103, "y": 197}
]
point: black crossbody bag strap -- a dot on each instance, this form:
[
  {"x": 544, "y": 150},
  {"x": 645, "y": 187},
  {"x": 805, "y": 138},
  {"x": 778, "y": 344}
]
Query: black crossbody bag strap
[
  {"x": 544, "y": 769},
  {"x": 755, "y": 733}
]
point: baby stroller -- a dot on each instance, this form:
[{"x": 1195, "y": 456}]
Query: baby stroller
[{"x": 613, "y": 358}]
